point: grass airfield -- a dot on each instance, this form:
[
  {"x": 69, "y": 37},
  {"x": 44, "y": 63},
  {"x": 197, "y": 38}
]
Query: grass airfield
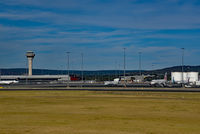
[{"x": 99, "y": 112}]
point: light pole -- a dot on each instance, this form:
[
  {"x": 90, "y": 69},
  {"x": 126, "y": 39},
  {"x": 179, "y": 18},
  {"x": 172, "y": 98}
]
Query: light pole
[
  {"x": 0, "y": 74},
  {"x": 119, "y": 71},
  {"x": 115, "y": 68},
  {"x": 124, "y": 67},
  {"x": 140, "y": 66},
  {"x": 152, "y": 67},
  {"x": 68, "y": 68},
  {"x": 182, "y": 66},
  {"x": 82, "y": 67},
  {"x": 26, "y": 72}
]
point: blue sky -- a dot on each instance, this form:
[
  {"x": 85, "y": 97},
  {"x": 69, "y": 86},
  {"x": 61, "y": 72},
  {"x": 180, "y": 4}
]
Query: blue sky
[{"x": 99, "y": 29}]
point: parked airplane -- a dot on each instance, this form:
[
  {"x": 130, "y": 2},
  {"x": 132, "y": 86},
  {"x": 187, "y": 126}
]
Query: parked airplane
[
  {"x": 115, "y": 82},
  {"x": 194, "y": 84},
  {"x": 8, "y": 81},
  {"x": 160, "y": 82}
]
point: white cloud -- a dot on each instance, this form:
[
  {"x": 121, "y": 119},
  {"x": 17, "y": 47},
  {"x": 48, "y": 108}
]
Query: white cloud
[
  {"x": 160, "y": 15},
  {"x": 81, "y": 26}
]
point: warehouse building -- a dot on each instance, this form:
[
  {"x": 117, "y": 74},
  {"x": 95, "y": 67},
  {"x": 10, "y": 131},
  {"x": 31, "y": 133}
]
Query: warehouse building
[{"x": 184, "y": 77}]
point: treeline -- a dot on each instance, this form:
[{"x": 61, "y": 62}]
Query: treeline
[{"x": 98, "y": 73}]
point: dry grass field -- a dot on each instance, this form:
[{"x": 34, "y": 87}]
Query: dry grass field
[{"x": 90, "y": 112}]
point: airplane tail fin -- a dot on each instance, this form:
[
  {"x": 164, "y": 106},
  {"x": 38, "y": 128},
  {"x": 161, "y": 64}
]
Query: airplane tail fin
[
  {"x": 188, "y": 80},
  {"x": 165, "y": 78}
]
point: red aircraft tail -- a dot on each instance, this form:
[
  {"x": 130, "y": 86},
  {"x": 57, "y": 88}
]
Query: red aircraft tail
[{"x": 165, "y": 78}]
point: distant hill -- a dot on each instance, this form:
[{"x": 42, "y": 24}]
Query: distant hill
[
  {"x": 23, "y": 71},
  {"x": 178, "y": 69}
]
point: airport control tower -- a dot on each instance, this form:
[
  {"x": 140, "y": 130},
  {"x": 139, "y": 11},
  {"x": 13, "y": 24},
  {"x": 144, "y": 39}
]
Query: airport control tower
[{"x": 30, "y": 55}]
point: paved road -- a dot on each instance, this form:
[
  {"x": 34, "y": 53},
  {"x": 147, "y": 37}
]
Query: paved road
[{"x": 105, "y": 89}]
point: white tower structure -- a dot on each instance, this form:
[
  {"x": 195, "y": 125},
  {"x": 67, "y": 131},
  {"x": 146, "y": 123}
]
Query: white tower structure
[{"x": 30, "y": 55}]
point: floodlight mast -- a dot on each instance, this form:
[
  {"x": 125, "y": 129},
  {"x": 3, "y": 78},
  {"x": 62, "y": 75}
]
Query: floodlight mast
[
  {"x": 82, "y": 67},
  {"x": 68, "y": 69},
  {"x": 140, "y": 70},
  {"x": 124, "y": 67},
  {"x": 182, "y": 66}
]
